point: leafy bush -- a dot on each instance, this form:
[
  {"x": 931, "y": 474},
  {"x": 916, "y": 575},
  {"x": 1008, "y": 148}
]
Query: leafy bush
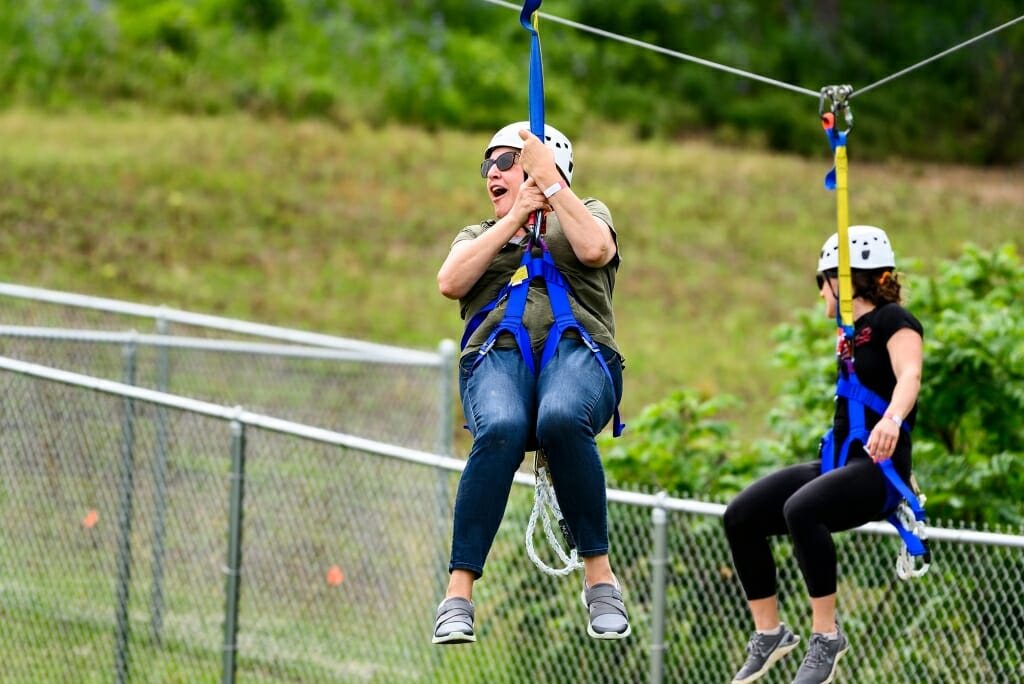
[
  {"x": 447, "y": 63},
  {"x": 54, "y": 50},
  {"x": 167, "y": 24},
  {"x": 972, "y": 395},
  {"x": 681, "y": 445}
]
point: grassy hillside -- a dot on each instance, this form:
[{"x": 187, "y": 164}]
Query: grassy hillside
[{"x": 342, "y": 231}]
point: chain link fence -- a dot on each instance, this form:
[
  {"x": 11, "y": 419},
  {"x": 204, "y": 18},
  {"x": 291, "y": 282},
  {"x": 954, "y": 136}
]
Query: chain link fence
[
  {"x": 272, "y": 551},
  {"x": 310, "y": 378},
  {"x": 150, "y": 537}
]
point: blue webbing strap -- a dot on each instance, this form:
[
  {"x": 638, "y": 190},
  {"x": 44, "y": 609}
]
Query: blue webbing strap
[
  {"x": 536, "y": 105},
  {"x": 858, "y": 396},
  {"x": 558, "y": 295},
  {"x": 853, "y": 390},
  {"x": 915, "y": 546},
  {"x": 529, "y": 268},
  {"x": 536, "y": 92},
  {"x": 836, "y": 138},
  {"x": 512, "y": 322},
  {"x": 526, "y": 18}
]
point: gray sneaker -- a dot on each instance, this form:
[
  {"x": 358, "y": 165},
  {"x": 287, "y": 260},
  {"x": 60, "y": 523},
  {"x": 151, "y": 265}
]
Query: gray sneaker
[
  {"x": 819, "y": 667},
  {"x": 763, "y": 651},
  {"x": 607, "y": 613},
  {"x": 454, "y": 624}
]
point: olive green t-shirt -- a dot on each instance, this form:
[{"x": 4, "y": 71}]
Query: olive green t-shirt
[{"x": 590, "y": 296}]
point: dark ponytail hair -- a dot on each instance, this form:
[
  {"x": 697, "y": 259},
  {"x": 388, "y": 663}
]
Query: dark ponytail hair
[{"x": 878, "y": 286}]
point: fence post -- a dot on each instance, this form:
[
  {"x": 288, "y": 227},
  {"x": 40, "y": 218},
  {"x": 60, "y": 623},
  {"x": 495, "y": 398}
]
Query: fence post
[
  {"x": 124, "y": 551},
  {"x": 659, "y": 559},
  {"x": 160, "y": 492},
  {"x": 234, "y": 564}
]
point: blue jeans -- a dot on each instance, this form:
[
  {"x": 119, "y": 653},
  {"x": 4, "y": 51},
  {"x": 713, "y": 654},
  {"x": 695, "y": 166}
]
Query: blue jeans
[{"x": 509, "y": 411}]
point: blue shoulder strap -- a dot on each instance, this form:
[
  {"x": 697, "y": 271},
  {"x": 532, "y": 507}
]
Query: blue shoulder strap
[{"x": 512, "y": 322}]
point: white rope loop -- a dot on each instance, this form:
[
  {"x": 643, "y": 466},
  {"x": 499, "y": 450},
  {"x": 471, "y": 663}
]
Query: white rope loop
[
  {"x": 908, "y": 566},
  {"x": 546, "y": 509}
]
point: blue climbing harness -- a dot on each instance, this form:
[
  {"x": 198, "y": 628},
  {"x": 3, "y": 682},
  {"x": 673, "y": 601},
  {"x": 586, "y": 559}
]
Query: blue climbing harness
[
  {"x": 906, "y": 513},
  {"x": 515, "y": 292}
]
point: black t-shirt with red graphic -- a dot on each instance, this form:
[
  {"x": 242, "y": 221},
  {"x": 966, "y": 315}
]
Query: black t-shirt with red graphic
[{"x": 874, "y": 367}]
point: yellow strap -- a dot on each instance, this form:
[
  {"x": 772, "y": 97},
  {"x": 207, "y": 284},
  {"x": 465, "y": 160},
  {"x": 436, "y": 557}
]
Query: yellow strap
[{"x": 843, "y": 217}]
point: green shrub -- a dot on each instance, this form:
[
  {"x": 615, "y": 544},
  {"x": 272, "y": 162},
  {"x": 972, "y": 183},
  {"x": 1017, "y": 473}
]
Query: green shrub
[
  {"x": 455, "y": 64},
  {"x": 972, "y": 395},
  {"x": 167, "y": 24},
  {"x": 969, "y": 436},
  {"x": 680, "y": 445}
]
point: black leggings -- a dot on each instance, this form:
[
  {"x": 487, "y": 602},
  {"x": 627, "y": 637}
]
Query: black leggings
[{"x": 808, "y": 506}]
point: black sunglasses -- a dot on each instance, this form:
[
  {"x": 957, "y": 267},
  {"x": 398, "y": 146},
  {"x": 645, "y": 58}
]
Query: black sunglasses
[
  {"x": 503, "y": 161},
  {"x": 831, "y": 273}
]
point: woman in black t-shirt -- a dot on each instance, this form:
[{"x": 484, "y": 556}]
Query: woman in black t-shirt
[{"x": 808, "y": 503}]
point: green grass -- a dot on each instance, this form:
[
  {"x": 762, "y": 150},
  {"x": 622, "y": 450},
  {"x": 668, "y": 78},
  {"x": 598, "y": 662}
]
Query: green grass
[{"x": 341, "y": 231}]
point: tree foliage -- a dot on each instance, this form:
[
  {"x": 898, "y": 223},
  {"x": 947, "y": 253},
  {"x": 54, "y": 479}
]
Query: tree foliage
[
  {"x": 457, "y": 64},
  {"x": 970, "y": 428}
]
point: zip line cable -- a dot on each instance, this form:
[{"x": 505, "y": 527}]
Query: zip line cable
[
  {"x": 741, "y": 72},
  {"x": 664, "y": 51},
  {"x": 935, "y": 57}
]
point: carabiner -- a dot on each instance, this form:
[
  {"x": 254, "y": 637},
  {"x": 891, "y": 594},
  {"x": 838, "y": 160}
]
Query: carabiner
[
  {"x": 838, "y": 98},
  {"x": 907, "y": 565}
]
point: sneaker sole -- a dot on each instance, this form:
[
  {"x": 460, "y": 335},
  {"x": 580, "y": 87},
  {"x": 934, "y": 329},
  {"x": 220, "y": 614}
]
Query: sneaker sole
[
  {"x": 775, "y": 657},
  {"x": 609, "y": 636},
  {"x": 455, "y": 638}
]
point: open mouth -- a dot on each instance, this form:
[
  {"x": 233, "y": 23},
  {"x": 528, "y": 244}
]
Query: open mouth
[{"x": 497, "y": 191}]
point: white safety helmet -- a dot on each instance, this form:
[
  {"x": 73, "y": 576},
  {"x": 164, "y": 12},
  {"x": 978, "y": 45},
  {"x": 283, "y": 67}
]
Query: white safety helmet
[
  {"x": 869, "y": 249},
  {"x": 509, "y": 137}
]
